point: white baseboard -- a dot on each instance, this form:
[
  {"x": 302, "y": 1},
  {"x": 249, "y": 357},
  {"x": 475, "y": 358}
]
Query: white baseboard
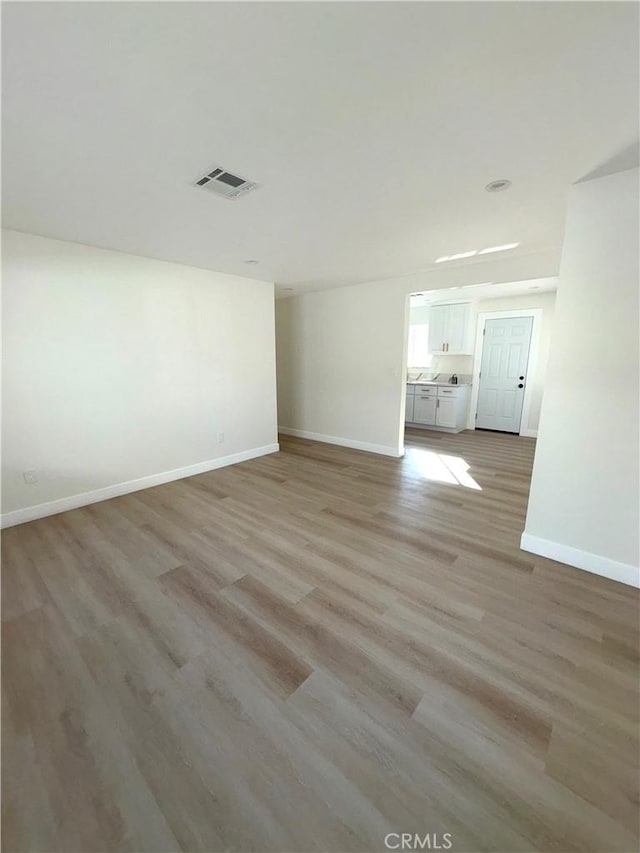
[
  {"x": 30, "y": 513},
  {"x": 622, "y": 572},
  {"x": 383, "y": 449}
]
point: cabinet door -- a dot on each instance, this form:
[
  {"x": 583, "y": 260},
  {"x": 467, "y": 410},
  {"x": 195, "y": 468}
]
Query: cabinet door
[
  {"x": 408, "y": 408},
  {"x": 456, "y": 328},
  {"x": 437, "y": 327},
  {"x": 424, "y": 411},
  {"x": 446, "y": 412}
]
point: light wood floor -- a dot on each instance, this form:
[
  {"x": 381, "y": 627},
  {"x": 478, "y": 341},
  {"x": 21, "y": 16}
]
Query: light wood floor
[{"x": 311, "y": 650}]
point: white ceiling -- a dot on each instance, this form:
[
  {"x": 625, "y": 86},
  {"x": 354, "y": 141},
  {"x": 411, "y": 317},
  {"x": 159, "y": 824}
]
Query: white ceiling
[
  {"x": 372, "y": 127},
  {"x": 485, "y": 291}
]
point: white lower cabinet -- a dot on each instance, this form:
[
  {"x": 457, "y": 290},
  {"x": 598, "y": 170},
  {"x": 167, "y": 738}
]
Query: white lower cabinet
[
  {"x": 408, "y": 406},
  {"x": 424, "y": 410},
  {"x": 437, "y": 407},
  {"x": 446, "y": 412}
]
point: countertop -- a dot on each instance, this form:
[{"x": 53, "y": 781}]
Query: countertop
[{"x": 440, "y": 383}]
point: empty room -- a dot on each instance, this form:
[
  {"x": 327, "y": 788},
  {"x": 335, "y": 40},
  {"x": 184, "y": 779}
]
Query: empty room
[{"x": 320, "y": 444}]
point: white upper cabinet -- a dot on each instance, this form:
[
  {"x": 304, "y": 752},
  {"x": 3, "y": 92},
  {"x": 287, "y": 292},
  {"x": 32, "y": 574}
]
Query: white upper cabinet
[
  {"x": 450, "y": 329},
  {"x": 459, "y": 318},
  {"x": 437, "y": 327}
]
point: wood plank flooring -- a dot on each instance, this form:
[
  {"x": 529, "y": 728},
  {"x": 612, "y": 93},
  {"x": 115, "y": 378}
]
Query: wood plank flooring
[{"x": 312, "y": 650}]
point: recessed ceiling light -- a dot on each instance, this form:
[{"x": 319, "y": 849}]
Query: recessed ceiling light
[
  {"x": 498, "y": 248},
  {"x": 251, "y": 261},
  {"x": 498, "y": 186}
]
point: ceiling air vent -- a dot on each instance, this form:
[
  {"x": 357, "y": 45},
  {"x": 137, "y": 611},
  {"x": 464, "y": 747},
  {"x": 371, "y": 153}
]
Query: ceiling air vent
[{"x": 225, "y": 184}]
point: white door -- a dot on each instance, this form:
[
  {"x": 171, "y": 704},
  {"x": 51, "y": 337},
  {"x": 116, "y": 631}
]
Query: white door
[{"x": 503, "y": 373}]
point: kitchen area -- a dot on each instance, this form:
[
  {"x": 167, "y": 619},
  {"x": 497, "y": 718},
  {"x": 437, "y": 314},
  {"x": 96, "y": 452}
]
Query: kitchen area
[
  {"x": 477, "y": 356},
  {"x": 439, "y": 365}
]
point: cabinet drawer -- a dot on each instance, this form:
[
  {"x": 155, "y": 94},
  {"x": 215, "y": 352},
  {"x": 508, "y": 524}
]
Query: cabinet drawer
[
  {"x": 449, "y": 392},
  {"x": 426, "y": 390}
]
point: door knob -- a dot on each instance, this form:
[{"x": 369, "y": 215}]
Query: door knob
[
  {"x": 520, "y": 377},
  {"x": 521, "y": 385}
]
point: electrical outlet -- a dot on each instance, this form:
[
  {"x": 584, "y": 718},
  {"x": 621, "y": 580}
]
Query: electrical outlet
[
  {"x": 30, "y": 476},
  {"x": 220, "y": 437}
]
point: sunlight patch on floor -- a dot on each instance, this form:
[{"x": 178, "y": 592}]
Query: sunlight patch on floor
[{"x": 441, "y": 468}]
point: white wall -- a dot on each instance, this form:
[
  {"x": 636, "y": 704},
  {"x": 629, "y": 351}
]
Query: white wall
[
  {"x": 341, "y": 353},
  {"x": 119, "y": 367},
  {"x": 584, "y": 507},
  {"x": 339, "y": 373}
]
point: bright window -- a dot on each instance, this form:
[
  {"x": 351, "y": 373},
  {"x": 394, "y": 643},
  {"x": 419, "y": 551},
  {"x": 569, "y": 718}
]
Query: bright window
[{"x": 419, "y": 346}]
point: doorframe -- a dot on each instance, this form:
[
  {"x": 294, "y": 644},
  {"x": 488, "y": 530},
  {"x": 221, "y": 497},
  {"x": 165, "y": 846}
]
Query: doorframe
[{"x": 536, "y": 313}]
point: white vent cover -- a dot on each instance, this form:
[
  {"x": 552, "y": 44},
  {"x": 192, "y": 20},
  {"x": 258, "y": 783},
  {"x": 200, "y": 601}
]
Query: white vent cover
[{"x": 224, "y": 183}]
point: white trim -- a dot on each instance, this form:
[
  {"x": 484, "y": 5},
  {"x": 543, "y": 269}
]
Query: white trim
[
  {"x": 382, "y": 449},
  {"x": 529, "y": 433},
  {"x": 597, "y": 565},
  {"x": 403, "y": 373},
  {"x": 483, "y": 316},
  {"x": 30, "y": 513}
]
